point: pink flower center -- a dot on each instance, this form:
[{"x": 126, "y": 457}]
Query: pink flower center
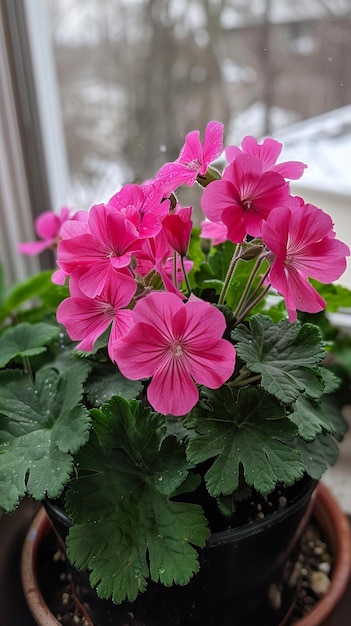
[
  {"x": 246, "y": 203},
  {"x": 176, "y": 348},
  {"x": 194, "y": 165}
]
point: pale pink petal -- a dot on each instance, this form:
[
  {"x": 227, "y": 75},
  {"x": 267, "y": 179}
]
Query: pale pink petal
[
  {"x": 216, "y": 231},
  {"x": 35, "y": 247}
]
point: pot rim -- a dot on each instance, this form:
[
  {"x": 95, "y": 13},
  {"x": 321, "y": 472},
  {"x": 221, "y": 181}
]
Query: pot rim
[
  {"x": 308, "y": 490},
  {"x": 326, "y": 509},
  {"x": 336, "y": 526},
  {"x": 39, "y": 527}
]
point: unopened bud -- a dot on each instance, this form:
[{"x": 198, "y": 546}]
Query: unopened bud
[
  {"x": 211, "y": 175},
  {"x": 251, "y": 250},
  {"x": 205, "y": 246}
]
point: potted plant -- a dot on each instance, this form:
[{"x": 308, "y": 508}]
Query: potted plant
[{"x": 195, "y": 409}]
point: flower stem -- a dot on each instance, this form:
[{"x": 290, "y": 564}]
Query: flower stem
[
  {"x": 251, "y": 305},
  {"x": 185, "y": 275},
  {"x": 229, "y": 275},
  {"x": 27, "y": 368},
  {"x": 246, "y": 381},
  {"x": 257, "y": 288},
  {"x": 247, "y": 288},
  {"x": 174, "y": 276}
]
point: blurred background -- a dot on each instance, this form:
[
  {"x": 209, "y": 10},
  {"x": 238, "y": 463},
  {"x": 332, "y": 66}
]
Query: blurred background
[{"x": 98, "y": 93}]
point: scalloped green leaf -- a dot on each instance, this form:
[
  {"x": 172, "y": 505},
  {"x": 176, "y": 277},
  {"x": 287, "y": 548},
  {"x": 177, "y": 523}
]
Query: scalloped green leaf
[
  {"x": 127, "y": 474},
  {"x": 251, "y": 433},
  {"x": 317, "y": 455},
  {"x": 107, "y": 381},
  {"x": 310, "y": 418},
  {"x": 286, "y": 355},
  {"x": 25, "y": 340},
  {"x": 41, "y": 426}
]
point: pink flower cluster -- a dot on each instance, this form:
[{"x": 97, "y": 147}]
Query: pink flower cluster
[
  {"x": 253, "y": 199},
  {"x": 126, "y": 260}
]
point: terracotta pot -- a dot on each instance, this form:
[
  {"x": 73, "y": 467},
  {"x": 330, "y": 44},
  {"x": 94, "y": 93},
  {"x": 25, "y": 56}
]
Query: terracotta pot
[
  {"x": 326, "y": 510},
  {"x": 39, "y": 529},
  {"x": 336, "y": 527}
]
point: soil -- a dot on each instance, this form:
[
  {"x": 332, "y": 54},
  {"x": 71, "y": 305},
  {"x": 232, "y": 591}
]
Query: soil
[{"x": 310, "y": 576}]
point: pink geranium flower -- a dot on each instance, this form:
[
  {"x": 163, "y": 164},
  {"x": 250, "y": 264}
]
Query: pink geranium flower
[
  {"x": 177, "y": 345},
  {"x": 108, "y": 240},
  {"x": 157, "y": 255},
  {"x": 47, "y": 226},
  {"x": 244, "y": 197},
  {"x": 87, "y": 318},
  {"x": 177, "y": 228},
  {"x": 194, "y": 158},
  {"x": 268, "y": 152},
  {"x": 304, "y": 245},
  {"x": 144, "y": 205}
]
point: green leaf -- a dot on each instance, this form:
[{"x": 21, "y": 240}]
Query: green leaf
[
  {"x": 38, "y": 290},
  {"x": 332, "y": 409},
  {"x": 310, "y": 418},
  {"x": 336, "y": 296},
  {"x": 126, "y": 527},
  {"x": 317, "y": 454},
  {"x": 41, "y": 426},
  {"x": 25, "y": 340},
  {"x": 106, "y": 381},
  {"x": 251, "y": 432},
  {"x": 284, "y": 354}
]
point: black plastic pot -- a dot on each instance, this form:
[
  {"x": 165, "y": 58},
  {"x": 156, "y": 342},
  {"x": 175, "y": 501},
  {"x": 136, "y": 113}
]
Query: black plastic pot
[
  {"x": 240, "y": 565},
  {"x": 238, "y": 568}
]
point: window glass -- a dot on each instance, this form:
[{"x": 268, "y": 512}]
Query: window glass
[{"x": 136, "y": 75}]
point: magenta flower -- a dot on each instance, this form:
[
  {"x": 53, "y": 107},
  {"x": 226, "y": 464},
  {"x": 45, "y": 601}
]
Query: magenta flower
[
  {"x": 108, "y": 240},
  {"x": 268, "y": 153},
  {"x": 87, "y": 318},
  {"x": 157, "y": 255},
  {"x": 244, "y": 197},
  {"x": 47, "y": 226},
  {"x": 197, "y": 156},
  {"x": 304, "y": 245},
  {"x": 143, "y": 205},
  {"x": 177, "y": 345},
  {"x": 177, "y": 228},
  {"x": 194, "y": 158}
]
